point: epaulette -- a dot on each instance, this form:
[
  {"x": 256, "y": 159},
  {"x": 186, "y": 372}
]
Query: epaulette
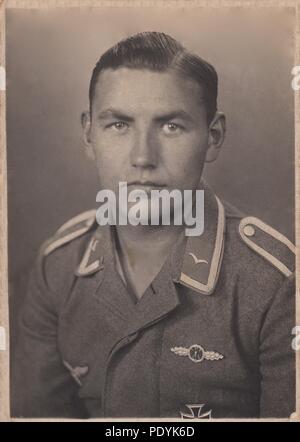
[
  {"x": 72, "y": 229},
  {"x": 269, "y": 243}
]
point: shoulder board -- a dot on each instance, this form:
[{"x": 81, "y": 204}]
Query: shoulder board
[
  {"x": 72, "y": 229},
  {"x": 269, "y": 243}
]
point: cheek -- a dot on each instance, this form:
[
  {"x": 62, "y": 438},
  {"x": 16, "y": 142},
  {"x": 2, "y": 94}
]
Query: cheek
[
  {"x": 110, "y": 150},
  {"x": 186, "y": 162},
  {"x": 109, "y": 166}
]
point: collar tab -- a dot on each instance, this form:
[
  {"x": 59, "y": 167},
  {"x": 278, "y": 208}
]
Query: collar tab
[
  {"x": 203, "y": 254},
  {"x": 93, "y": 259}
]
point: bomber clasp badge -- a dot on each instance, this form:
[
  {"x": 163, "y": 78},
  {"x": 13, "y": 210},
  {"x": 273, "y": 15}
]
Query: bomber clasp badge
[{"x": 196, "y": 353}]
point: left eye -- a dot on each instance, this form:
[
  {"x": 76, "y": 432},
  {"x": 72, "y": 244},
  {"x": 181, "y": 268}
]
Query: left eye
[{"x": 172, "y": 128}]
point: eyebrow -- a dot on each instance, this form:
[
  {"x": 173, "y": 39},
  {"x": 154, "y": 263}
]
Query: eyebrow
[
  {"x": 120, "y": 115},
  {"x": 115, "y": 113},
  {"x": 173, "y": 115}
]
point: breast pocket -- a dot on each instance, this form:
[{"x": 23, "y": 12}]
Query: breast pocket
[{"x": 204, "y": 367}]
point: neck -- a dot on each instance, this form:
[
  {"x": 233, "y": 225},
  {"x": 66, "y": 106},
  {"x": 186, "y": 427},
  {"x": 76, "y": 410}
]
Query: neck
[{"x": 154, "y": 240}]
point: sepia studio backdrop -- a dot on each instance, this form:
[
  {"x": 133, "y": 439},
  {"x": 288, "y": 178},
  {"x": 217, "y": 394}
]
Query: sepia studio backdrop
[{"x": 50, "y": 55}]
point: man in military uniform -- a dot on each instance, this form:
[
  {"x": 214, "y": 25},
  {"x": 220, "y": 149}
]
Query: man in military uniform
[{"x": 142, "y": 321}]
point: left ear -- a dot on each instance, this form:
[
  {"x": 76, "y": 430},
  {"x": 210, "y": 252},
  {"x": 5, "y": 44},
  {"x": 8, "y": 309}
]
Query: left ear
[{"x": 216, "y": 136}]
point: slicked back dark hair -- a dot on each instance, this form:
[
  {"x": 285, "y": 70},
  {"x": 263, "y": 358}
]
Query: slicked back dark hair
[{"x": 159, "y": 52}]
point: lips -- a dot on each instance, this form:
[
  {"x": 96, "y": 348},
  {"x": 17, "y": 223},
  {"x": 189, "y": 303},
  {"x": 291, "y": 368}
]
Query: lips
[
  {"x": 146, "y": 183},
  {"x": 146, "y": 186}
]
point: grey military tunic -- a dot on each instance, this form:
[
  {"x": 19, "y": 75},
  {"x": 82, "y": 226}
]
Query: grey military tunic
[{"x": 210, "y": 337}]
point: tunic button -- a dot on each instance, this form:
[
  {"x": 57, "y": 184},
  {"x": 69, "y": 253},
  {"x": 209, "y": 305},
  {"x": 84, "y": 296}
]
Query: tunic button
[{"x": 249, "y": 230}]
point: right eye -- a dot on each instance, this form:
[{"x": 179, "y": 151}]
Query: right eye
[{"x": 119, "y": 126}]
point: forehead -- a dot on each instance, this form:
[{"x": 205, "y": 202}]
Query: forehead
[{"x": 139, "y": 90}]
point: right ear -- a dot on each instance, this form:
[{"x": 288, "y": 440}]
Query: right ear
[{"x": 86, "y": 134}]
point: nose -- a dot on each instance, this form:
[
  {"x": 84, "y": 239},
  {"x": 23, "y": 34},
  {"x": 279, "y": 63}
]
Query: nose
[{"x": 144, "y": 153}]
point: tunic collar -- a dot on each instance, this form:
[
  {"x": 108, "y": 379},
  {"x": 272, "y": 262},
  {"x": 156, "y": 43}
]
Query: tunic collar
[{"x": 195, "y": 260}]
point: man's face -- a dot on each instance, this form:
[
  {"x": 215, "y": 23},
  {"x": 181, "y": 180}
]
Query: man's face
[{"x": 149, "y": 129}]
